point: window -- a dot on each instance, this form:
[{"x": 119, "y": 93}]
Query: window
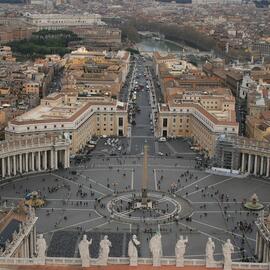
[
  {"x": 165, "y": 122},
  {"x": 120, "y": 121},
  {"x": 28, "y": 128},
  {"x": 45, "y": 126}
]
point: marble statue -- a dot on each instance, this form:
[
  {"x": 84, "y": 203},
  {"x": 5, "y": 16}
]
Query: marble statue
[
  {"x": 41, "y": 248},
  {"x": 84, "y": 251},
  {"x": 180, "y": 249},
  {"x": 156, "y": 248},
  {"x": 132, "y": 250},
  {"x": 209, "y": 251},
  {"x": 227, "y": 249},
  {"x": 104, "y": 250}
]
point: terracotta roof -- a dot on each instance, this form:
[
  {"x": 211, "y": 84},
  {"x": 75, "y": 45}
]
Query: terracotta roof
[{"x": 70, "y": 119}]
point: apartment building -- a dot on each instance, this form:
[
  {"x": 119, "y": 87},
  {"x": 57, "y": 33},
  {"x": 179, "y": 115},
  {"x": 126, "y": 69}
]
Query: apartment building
[
  {"x": 76, "y": 118},
  {"x": 62, "y": 21},
  {"x": 200, "y": 114}
]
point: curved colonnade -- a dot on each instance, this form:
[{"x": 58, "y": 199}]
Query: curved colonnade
[
  {"x": 246, "y": 155},
  {"x": 35, "y": 154}
]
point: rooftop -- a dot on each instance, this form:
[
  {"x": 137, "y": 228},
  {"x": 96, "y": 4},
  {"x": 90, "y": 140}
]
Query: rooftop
[{"x": 64, "y": 108}]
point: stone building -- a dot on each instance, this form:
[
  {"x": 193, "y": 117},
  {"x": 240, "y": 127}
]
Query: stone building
[
  {"x": 199, "y": 114},
  {"x": 76, "y": 118}
]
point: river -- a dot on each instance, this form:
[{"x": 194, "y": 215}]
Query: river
[{"x": 151, "y": 45}]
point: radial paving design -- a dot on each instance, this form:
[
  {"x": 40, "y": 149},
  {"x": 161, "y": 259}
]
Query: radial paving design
[
  {"x": 95, "y": 201},
  {"x": 166, "y": 207}
]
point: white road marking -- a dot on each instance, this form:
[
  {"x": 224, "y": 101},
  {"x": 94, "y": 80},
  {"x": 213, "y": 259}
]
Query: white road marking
[
  {"x": 199, "y": 180},
  {"x": 220, "y": 229},
  {"x": 73, "y": 182},
  {"x": 95, "y": 182},
  {"x": 70, "y": 200},
  {"x": 100, "y": 225},
  {"x": 66, "y": 209},
  {"x": 204, "y": 233},
  {"x": 73, "y": 225},
  {"x": 224, "y": 202},
  {"x": 216, "y": 212},
  {"x": 25, "y": 177},
  {"x": 221, "y": 182}
]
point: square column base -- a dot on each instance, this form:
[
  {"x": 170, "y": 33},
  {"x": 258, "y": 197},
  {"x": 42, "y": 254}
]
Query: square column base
[
  {"x": 85, "y": 263},
  {"x": 133, "y": 262},
  {"x": 210, "y": 264},
  {"x": 156, "y": 262},
  {"x": 227, "y": 266},
  {"x": 179, "y": 262}
]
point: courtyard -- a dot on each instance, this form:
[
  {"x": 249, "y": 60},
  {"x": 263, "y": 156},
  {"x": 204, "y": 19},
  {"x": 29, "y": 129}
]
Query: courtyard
[{"x": 74, "y": 205}]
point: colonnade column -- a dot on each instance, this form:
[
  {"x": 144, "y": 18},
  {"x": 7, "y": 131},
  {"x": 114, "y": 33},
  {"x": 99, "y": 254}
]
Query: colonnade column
[
  {"x": 249, "y": 163},
  {"x": 51, "y": 159},
  {"x": 33, "y": 161},
  {"x": 259, "y": 248},
  {"x": 66, "y": 158},
  {"x": 243, "y": 163},
  {"x": 3, "y": 168},
  {"x": 14, "y": 165},
  {"x": 8, "y": 166},
  {"x": 262, "y": 162},
  {"x": 45, "y": 160},
  {"x": 38, "y": 161},
  {"x": 31, "y": 240},
  {"x": 267, "y": 167},
  {"x": 255, "y": 165},
  {"x": 26, "y": 162},
  {"x": 20, "y": 163},
  {"x": 257, "y": 243},
  {"x": 55, "y": 160},
  {"x": 265, "y": 252}
]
